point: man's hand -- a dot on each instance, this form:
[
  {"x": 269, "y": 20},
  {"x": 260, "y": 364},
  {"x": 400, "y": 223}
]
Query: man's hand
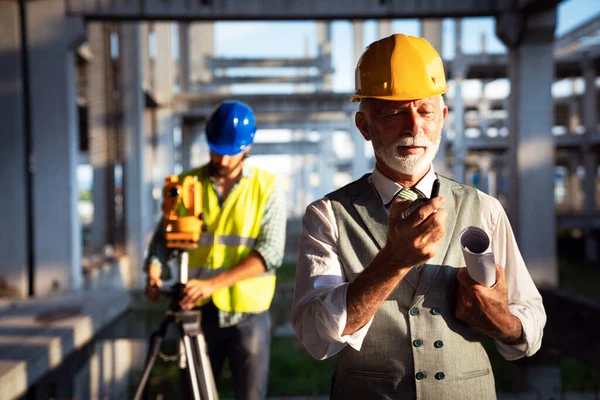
[
  {"x": 415, "y": 239},
  {"x": 196, "y": 290},
  {"x": 153, "y": 283},
  {"x": 487, "y": 308}
]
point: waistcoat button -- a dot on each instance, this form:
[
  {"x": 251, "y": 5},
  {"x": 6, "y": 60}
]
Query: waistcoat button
[
  {"x": 440, "y": 376},
  {"x": 435, "y": 311},
  {"x": 420, "y": 375},
  {"x": 417, "y": 342},
  {"x": 414, "y": 311},
  {"x": 438, "y": 344}
]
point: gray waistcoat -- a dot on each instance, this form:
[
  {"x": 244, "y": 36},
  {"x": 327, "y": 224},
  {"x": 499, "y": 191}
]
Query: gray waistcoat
[{"x": 415, "y": 333}]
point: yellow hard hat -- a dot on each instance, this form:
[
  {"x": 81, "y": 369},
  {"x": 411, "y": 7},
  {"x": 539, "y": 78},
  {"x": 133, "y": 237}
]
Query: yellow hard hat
[{"x": 399, "y": 67}]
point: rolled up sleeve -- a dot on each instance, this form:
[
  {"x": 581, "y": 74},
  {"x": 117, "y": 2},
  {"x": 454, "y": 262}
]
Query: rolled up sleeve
[
  {"x": 319, "y": 306},
  {"x": 525, "y": 301}
]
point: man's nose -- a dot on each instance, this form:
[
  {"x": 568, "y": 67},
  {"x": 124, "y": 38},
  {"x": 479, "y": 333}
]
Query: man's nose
[
  {"x": 224, "y": 161},
  {"x": 413, "y": 126}
]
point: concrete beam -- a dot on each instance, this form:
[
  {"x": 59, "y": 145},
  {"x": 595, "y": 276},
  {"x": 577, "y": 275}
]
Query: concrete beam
[
  {"x": 494, "y": 66},
  {"x": 284, "y": 103},
  {"x": 222, "y": 62},
  {"x": 572, "y": 38},
  {"x": 231, "y": 80},
  {"x": 286, "y": 10},
  {"x": 278, "y": 120},
  {"x": 296, "y": 148}
]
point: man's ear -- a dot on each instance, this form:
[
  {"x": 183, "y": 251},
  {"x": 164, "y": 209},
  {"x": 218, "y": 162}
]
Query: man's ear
[{"x": 362, "y": 125}]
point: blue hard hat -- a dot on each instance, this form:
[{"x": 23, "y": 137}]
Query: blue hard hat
[{"x": 230, "y": 128}]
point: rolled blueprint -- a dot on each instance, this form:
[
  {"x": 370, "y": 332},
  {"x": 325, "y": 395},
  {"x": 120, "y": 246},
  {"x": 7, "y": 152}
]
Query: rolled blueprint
[{"x": 481, "y": 266}]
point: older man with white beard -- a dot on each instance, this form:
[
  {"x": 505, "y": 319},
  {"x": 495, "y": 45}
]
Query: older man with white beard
[{"x": 386, "y": 291}]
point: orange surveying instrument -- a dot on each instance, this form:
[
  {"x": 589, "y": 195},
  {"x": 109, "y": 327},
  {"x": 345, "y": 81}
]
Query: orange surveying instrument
[
  {"x": 183, "y": 224},
  {"x": 182, "y": 231}
]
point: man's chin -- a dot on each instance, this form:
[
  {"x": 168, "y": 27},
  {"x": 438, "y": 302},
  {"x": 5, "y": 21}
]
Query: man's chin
[{"x": 407, "y": 169}]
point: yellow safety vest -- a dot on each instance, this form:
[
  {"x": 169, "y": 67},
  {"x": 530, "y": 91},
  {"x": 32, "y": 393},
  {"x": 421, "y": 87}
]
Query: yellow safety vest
[{"x": 232, "y": 232}]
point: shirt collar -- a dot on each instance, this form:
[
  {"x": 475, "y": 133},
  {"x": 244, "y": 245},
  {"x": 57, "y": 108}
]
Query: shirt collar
[{"x": 387, "y": 188}]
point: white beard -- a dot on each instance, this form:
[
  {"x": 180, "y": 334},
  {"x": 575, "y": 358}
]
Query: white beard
[{"x": 411, "y": 164}]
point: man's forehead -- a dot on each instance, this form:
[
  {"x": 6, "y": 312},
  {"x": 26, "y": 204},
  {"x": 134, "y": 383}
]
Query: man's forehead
[{"x": 406, "y": 103}]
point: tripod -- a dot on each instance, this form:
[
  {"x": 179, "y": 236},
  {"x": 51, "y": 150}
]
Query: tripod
[{"x": 200, "y": 380}]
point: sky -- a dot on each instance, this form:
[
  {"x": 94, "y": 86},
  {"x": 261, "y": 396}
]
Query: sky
[{"x": 298, "y": 39}]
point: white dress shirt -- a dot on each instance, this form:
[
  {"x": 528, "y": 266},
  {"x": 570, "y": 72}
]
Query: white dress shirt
[{"x": 319, "y": 305}]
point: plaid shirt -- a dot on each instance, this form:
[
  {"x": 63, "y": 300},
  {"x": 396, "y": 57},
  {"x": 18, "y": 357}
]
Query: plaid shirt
[{"x": 270, "y": 242}]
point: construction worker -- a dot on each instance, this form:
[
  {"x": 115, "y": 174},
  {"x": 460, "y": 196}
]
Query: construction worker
[
  {"x": 232, "y": 272},
  {"x": 384, "y": 290}
]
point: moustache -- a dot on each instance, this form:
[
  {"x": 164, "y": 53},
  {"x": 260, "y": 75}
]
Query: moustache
[{"x": 416, "y": 141}]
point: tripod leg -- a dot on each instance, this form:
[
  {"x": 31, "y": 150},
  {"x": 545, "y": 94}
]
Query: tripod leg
[
  {"x": 155, "y": 343},
  {"x": 191, "y": 366},
  {"x": 205, "y": 374}
]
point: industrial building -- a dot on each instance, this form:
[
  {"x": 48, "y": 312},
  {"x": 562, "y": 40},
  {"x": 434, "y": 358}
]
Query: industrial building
[{"x": 93, "y": 89}]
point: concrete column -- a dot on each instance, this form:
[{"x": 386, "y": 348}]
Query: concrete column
[
  {"x": 296, "y": 191},
  {"x": 458, "y": 109},
  {"x": 98, "y": 92},
  {"x": 306, "y": 187},
  {"x": 163, "y": 91},
  {"x": 14, "y": 165},
  {"x": 483, "y": 109},
  {"x": 147, "y": 63},
  {"x": 188, "y": 138},
  {"x": 324, "y": 50},
  {"x": 184, "y": 56},
  {"x": 590, "y": 123},
  {"x": 574, "y": 203},
  {"x": 359, "y": 160},
  {"x": 431, "y": 30},
  {"x": 326, "y": 165},
  {"x": 485, "y": 163},
  {"x": 531, "y": 152},
  {"x": 357, "y": 37},
  {"x": 136, "y": 205},
  {"x": 590, "y": 160},
  {"x": 439, "y": 162},
  {"x": 574, "y": 114},
  {"x": 52, "y": 40},
  {"x": 384, "y": 28},
  {"x": 150, "y": 158},
  {"x": 202, "y": 45},
  {"x": 531, "y": 167},
  {"x": 492, "y": 182}
]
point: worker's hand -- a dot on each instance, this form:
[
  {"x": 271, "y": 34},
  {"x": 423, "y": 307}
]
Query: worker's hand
[
  {"x": 415, "y": 239},
  {"x": 196, "y": 290},
  {"x": 487, "y": 308},
  {"x": 153, "y": 283}
]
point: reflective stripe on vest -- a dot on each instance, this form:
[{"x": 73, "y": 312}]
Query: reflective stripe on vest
[
  {"x": 233, "y": 228},
  {"x": 205, "y": 273},
  {"x": 208, "y": 239}
]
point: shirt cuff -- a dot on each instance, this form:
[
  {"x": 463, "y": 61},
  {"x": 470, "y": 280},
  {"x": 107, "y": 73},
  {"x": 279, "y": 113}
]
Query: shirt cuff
[
  {"x": 335, "y": 314},
  {"x": 515, "y": 351}
]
